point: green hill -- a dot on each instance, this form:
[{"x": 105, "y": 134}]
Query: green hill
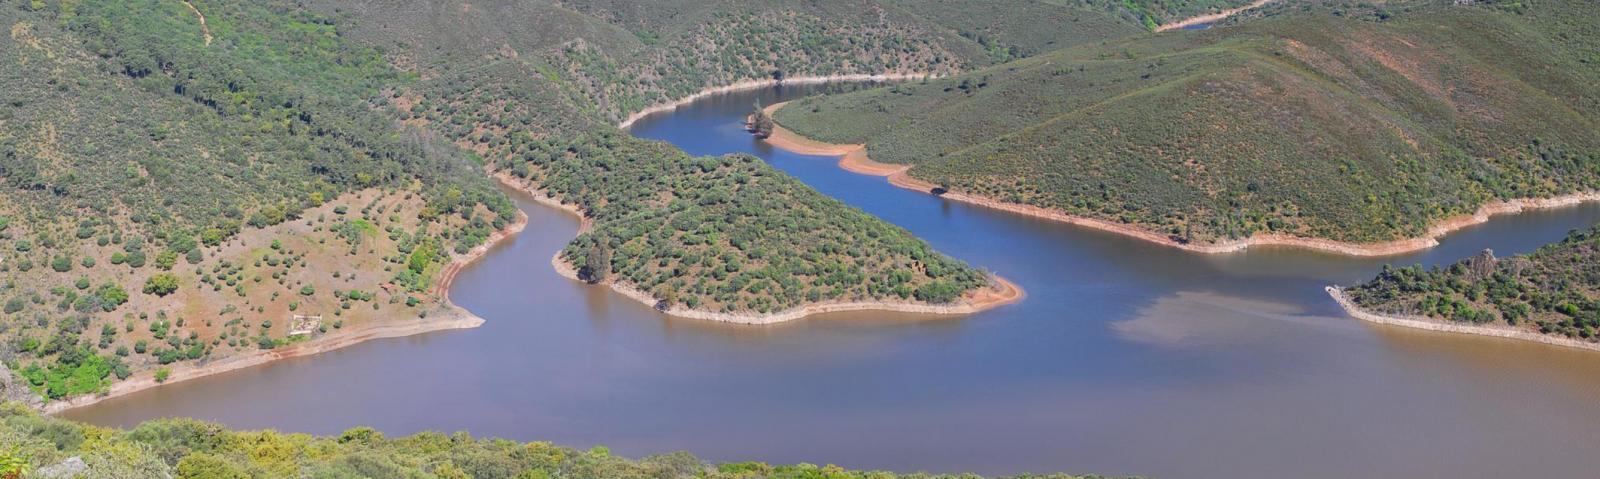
[
  {"x": 1341, "y": 121},
  {"x": 1551, "y": 291}
]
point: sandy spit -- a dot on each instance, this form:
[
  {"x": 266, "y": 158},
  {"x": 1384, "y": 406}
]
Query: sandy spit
[
  {"x": 1430, "y": 324},
  {"x": 854, "y": 158}
]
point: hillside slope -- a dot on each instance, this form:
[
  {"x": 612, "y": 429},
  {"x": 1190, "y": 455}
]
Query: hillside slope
[
  {"x": 1344, "y": 122},
  {"x": 623, "y": 56},
  {"x": 170, "y": 203}
]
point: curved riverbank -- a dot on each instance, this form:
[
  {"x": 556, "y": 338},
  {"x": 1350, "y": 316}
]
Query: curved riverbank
[
  {"x": 1000, "y": 291},
  {"x": 1419, "y": 322},
  {"x": 447, "y": 275},
  {"x": 1211, "y": 17},
  {"x": 766, "y": 83},
  {"x": 854, "y": 158},
  {"x": 446, "y": 316}
]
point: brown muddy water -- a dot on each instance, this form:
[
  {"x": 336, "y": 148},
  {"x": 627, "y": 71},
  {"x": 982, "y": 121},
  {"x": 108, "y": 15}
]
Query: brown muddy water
[{"x": 1126, "y": 358}]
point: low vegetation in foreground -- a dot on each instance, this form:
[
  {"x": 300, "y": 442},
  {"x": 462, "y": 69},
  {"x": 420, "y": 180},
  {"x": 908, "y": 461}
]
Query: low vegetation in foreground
[
  {"x": 1552, "y": 290},
  {"x": 34, "y": 446},
  {"x": 1348, "y": 121}
]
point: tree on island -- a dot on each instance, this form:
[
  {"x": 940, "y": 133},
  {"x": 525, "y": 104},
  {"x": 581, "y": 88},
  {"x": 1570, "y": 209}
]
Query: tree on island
[{"x": 761, "y": 124}]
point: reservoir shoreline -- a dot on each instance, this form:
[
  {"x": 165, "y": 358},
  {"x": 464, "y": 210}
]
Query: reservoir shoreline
[
  {"x": 1430, "y": 324},
  {"x": 446, "y": 317},
  {"x": 746, "y": 85},
  {"x": 854, "y": 158}
]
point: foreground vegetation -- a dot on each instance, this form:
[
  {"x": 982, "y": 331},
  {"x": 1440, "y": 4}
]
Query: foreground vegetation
[
  {"x": 38, "y": 446},
  {"x": 1344, "y": 121},
  {"x": 1552, "y": 290}
]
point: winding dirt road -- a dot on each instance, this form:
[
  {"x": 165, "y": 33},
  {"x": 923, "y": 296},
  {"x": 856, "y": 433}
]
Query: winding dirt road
[
  {"x": 1211, "y": 17},
  {"x": 205, "y": 31}
]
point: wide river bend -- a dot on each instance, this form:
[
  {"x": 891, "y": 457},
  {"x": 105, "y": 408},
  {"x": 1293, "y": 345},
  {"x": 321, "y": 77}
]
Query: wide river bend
[{"x": 1126, "y": 358}]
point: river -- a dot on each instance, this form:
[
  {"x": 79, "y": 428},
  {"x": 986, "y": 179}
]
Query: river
[{"x": 1126, "y": 358}]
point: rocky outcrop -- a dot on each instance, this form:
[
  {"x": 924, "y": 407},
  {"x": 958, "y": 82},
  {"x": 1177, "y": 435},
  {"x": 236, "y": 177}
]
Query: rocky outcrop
[
  {"x": 1481, "y": 266},
  {"x": 68, "y": 469},
  {"x": 14, "y": 388}
]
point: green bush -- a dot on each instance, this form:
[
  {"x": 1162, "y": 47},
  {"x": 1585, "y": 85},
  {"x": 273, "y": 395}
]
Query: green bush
[{"x": 161, "y": 284}]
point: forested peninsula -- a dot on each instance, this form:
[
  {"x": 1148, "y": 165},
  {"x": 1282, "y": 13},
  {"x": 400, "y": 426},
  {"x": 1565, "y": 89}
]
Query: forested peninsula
[{"x": 1546, "y": 296}]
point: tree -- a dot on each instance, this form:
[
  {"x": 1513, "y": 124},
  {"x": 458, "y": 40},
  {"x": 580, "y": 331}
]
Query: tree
[
  {"x": 211, "y": 237},
  {"x": 112, "y": 295},
  {"x": 938, "y": 292},
  {"x": 596, "y": 263},
  {"x": 761, "y": 124},
  {"x": 421, "y": 256},
  {"x": 136, "y": 259},
  {"x": 161, "y": 284},
  {"x": 166, "y": 259}
]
